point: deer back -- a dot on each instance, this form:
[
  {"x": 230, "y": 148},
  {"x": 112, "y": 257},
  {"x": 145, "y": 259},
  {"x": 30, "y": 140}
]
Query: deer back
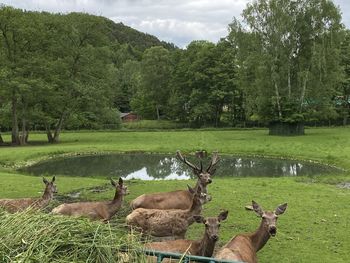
[
  {"x": 180, "y": 199},
  {"x": 98, "y": 210},
  {"x": 240, "y": 248},
  {"x": 160, "y": 223},
  {"x": 92, "y": 210},
  {"x": 17, "y": 205}
]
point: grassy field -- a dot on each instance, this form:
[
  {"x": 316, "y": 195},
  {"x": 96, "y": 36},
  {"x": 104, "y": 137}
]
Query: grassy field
[{"x": 315, "y": 227}]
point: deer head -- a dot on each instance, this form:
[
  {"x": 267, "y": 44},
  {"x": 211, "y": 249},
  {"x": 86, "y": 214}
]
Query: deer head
[
  {"x": 204, "y": 175},
  {"x": 212, "y": 224},
  {"x": 269, "y": 219},
  {"x": 50, "y": 187},
  {"x": 120, "y": 187}
]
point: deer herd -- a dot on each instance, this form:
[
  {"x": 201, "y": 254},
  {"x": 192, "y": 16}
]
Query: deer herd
[{"x": 167, "y": 216}]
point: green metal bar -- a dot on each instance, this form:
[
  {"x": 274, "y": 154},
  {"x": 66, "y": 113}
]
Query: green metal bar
[{"x": 186, "y": 258}]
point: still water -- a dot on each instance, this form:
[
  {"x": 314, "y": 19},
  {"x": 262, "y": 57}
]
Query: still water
[{"x": 157, "y": 167}]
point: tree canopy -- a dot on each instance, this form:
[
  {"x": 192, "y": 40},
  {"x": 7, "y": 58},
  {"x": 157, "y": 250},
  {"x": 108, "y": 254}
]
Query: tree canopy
[{"x": 285, "y": 61}]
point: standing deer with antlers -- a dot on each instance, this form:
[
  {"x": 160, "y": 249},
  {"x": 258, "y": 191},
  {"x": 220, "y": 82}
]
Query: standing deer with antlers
[
  {"x": 244, "y": 247},
  {"x": 180, "y": 199},
  {"x": 16, "y": 205},
  {"x": 168, "y": 224},
  {"x": 203, "y": 247},
  {"x": 99, "y": 210}
]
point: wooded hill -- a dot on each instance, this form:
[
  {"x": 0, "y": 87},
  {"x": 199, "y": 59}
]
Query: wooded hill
[{"x": 288, "y": 62}]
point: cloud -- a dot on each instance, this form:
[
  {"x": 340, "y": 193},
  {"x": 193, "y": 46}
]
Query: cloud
[{"x": 177, "y": 21}]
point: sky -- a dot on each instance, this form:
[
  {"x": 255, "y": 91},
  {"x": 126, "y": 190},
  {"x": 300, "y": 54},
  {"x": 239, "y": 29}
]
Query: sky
[{"x": 175, "y": 21}]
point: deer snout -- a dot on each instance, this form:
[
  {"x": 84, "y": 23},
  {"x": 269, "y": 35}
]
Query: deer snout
[
  {"x": 209, "y": 181},
  {"x": 272, "y": 230},
  {"x": 215, "y": 237}
]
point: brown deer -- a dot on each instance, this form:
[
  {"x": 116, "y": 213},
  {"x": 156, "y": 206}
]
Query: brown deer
[
  {"x": 170, "y": 223},
  {"x": 244, "y": 247},
  {"x": 203, "y": 247},
  {"x": 17, "y": 205},
  {"x": 99, "y": 210},
  {"x": 180, "y": 199}
]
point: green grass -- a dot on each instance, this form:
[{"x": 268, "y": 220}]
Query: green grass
[
  {"x": 315, "y": 227},
  {"x": 37, "y": 237}
]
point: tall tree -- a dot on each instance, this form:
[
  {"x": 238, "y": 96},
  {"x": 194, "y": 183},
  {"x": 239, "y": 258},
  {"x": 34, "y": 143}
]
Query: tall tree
[
  {"x": 292, "y": 68},
  {"x": 343, "y": 99},
  {"x": 20, "y": 61},
  {"x": 152, "y": 95},
  {"x": 78, "y": 71}
]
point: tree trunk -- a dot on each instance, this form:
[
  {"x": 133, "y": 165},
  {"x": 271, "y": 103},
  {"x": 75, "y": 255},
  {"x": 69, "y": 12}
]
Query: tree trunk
[
  {"x": 289, "y": 85},
  {"x": 303, "y": 91},
  {"x": 1, "y": 140},
  {"x": 56, "y": 136},
  {"x": 158, "y": 113},
  {"x": 15, "y": 132},
  {"x": 48, "y": 133},
  {"x": 278, "y": 101},
  {"x": 23, "y": 136}
]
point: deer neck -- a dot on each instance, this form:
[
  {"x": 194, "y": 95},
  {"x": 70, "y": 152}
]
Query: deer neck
[
  {"x": 206, "y": 246},
  {"x": 48, "y": 194},
  {"x": 201, "y": 186},
  {"x": 116, "y": 202},
  {"x": 45, "y": 198},
  {"x": 260, "y": 237},
  {"x": 195, "y": 209}
]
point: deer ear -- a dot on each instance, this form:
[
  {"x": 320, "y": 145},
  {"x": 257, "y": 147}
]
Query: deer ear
[
  {"x": 120, "y": 182},
  {"x": 198, "y": 218},
  {"x": 223, "y": 215},
  {"x": 257, "y": 208},
  {"x": 45, "y": 181},
  {"x": 113, "y": 182},
  {"x": 192, "y": 191},
  {"x": 53, "y": 179},
  {"x": 281, "y": 209}
]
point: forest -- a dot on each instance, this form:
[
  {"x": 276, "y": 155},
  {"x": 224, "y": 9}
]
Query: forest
[{"x": 281, "y": 62}]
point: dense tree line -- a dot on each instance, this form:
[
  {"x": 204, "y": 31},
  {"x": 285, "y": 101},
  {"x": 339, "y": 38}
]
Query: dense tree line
[
  {"x": 286, "y": 61},
  {"x": 64, "y": 71}
]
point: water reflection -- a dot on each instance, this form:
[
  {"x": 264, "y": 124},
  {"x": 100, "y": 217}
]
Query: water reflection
[{"x": 158, "y": 167}]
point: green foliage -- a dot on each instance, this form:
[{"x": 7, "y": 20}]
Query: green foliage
[
  {"x": 152, "y": 93},
  {"x": 57, "y": 68},
  {"x": 288, "y": 55},
  {"x": 36, "y": 237}
]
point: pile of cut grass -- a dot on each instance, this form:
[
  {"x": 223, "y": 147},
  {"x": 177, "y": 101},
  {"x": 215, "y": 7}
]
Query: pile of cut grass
[{"x": 33, "y": 236}]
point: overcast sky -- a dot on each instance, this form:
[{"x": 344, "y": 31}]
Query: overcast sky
[{"x": 176, "y": 21}]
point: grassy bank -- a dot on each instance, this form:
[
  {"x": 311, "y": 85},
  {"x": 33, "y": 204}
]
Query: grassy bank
[
  {"x": 331, "y": 146},
  {"x": 315, "y": 227}
]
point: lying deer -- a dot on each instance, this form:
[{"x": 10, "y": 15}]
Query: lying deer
[
  {"x": 244, "y": 247},
  {"x": 167, "y": 224},
  {"x": 180, "y": 199},
  {"x": 99, "y": 210},
  {"x": 16, "y": 205},
  {"x": 203, "y": 247}
]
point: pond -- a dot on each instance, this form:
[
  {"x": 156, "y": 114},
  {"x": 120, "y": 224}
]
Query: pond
[{"x": 168, "y": 167}]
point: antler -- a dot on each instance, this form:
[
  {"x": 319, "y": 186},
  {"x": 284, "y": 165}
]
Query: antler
[
  {"x": 214, "y": 160},
  {"x": 194, "y": 167}
]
